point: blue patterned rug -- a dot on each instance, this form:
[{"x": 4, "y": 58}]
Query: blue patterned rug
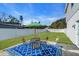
[{"x": 41, "y": 49}]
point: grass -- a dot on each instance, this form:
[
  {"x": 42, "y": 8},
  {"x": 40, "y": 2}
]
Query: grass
[{"x": 51, "y": 35}]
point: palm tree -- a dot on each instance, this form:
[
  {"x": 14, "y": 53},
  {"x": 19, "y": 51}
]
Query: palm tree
[
  {"x": 21, "y": 19},
  {"x": 0, "y": 19},
  {"x": 39, "y": 22}
]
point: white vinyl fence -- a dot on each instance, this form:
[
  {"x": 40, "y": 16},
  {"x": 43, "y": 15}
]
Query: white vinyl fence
[
  {"x": 11, "y": 33},
  {"x": 56, "y": 30}
]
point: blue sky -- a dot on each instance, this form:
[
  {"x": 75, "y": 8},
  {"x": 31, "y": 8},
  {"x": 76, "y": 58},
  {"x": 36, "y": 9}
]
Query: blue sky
[{"x": 46, "y": 13}]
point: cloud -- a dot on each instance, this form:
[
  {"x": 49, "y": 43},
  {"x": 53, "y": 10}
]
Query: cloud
[
  {"x": 43, "y": 20},
  {"x": 26, "y": 22},
  {"x": 16, "y": 12},
  {"x": 51, "y": 19},
  {"x": 31, "y": 7},
  {"x": 12, "y": 9},
  {"x": 28, "y": 15}
]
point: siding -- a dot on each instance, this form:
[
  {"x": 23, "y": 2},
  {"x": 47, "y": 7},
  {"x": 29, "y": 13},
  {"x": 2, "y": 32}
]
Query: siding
[
  {"x": 72, "y": 16},
  {"x": 70, "y": 31},
  {"x": 71, "y": 11}
]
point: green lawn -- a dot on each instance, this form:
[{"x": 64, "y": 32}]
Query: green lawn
[{"x": 51, "y": 35}]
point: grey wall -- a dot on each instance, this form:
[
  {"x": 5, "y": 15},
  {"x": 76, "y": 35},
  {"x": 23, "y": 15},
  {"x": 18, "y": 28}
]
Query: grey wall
[{"x": 11, "y": 33}]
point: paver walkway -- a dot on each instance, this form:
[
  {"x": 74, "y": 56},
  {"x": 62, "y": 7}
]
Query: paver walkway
[
  {"x": 69, "y": 50},
  {"x": 4, "y": 53}
]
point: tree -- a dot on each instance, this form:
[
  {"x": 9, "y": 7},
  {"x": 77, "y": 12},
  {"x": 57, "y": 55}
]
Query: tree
[
  {"x": 3, "y": 17},
  {"x": 21, "y": 19},
  {"x": 0, "y": 19},
  {"x": 39, "y": 22},
  {"x": 59, "y": 24},
  {"x": 13, "y": 19}
]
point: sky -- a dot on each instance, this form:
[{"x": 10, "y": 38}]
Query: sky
[{"x": 46, "y": 13}]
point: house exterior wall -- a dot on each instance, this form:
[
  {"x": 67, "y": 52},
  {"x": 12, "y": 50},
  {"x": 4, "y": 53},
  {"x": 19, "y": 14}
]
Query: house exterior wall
[
  {"x": 72, "y": 15},
  {"x": 71, "y": 10}
]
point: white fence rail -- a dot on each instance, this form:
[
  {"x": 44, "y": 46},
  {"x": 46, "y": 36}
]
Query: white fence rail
[
  {"x": 56, "y": 30},
  {"x": 11, "y": 33}
]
